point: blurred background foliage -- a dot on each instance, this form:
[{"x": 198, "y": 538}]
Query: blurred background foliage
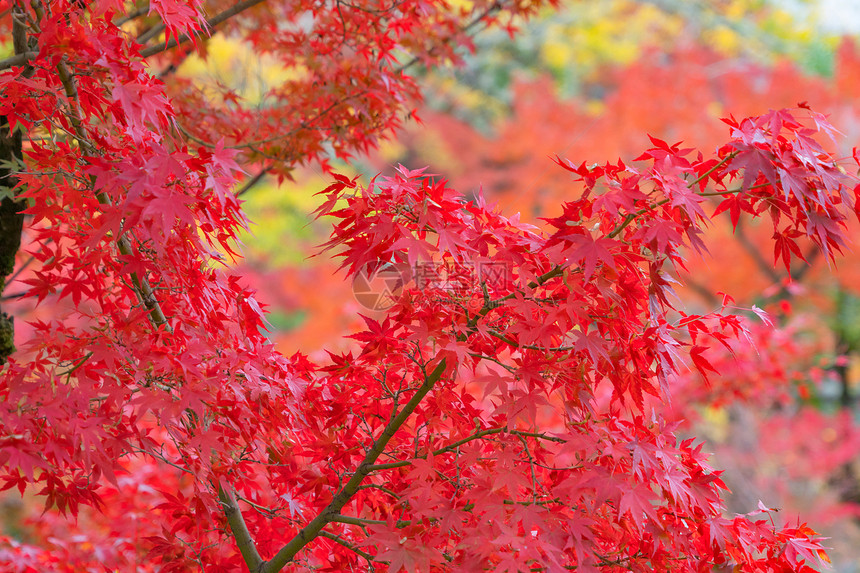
[{"x": 575, "y": 45}]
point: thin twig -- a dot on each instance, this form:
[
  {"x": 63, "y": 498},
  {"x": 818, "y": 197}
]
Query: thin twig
[
  {"x": 21, "y": 269},
  {"x": 80, "y": 363},
  {"x": 361, "y": 521},
  {"x": 716, "y": 166},
  {"x": 494, "y": 7},
  {"x": 141, "y": 10},
  {"x": 476, "y": 436},
  {"x": 268, "y": 511},
  {"x": 341, "y": 541},
  {"x": 754, "y": 252}
]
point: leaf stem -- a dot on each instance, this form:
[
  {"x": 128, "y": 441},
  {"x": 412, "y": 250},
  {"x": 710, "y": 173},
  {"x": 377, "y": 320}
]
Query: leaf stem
[{"x": 719, "y": 164}]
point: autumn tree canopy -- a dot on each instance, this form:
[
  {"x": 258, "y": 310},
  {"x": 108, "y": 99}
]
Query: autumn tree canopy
[{"x": 504, "y": 414}]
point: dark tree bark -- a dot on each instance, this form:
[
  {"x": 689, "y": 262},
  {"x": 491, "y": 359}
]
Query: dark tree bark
[{"x": 11, "y": 218}]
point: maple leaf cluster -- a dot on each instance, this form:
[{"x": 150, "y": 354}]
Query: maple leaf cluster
[
  {"x": 580, "y": 333},
  {"x": 505, "y": 422}
]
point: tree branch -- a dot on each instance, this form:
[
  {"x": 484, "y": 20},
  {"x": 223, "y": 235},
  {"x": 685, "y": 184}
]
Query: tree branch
[
  {"x": 141, "y": 286},
  {"x": 754, "y": 252},
  {"x": 253, "y": 180},
  {"x": 240, "y": 529},
  {"x": 17, "y": 60},
  {"x": 211, "y": 23},
  {"x": 381, "y": 488},
  {"x": 332, "y": 510},
  {"x": 151, "y": 33},
  {"x": 141, "y": 10}
]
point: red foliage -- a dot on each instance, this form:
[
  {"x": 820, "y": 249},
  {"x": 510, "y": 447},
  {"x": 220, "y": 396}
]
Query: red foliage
[{"x": 495, "y": 421}]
